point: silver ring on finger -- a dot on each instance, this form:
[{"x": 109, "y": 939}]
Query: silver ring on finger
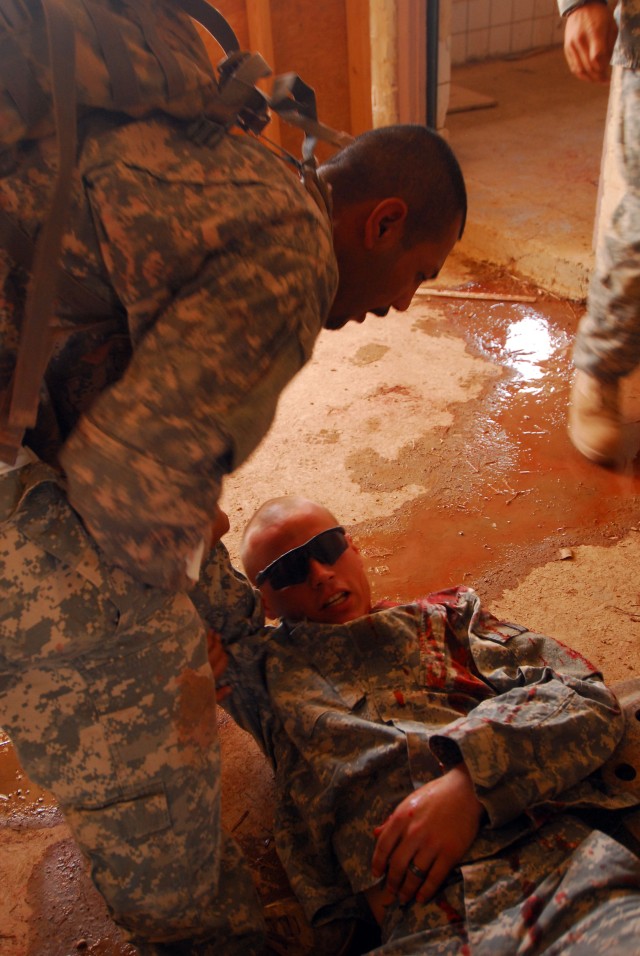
[{"x": 417, "y": 872}]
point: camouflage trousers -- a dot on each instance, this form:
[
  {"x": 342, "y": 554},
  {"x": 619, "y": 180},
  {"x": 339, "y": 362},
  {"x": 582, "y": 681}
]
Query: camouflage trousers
[
  {"x": 568, "y": 890},
  {"x": 108, "y": 697},
  {"x": 608, "y": 339}
]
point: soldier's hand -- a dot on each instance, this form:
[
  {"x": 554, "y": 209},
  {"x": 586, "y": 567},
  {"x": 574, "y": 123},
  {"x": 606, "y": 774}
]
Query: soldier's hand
[
  {"x": 428, "y": 834},
  {"x": 218, "y": 659},
  {"x": 589, "y": 38}
]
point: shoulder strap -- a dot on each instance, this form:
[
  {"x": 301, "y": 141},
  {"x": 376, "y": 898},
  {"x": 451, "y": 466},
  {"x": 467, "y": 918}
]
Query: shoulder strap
[
  {"x": 35, "y": 336},
  {"x": 212, "y": 20}
]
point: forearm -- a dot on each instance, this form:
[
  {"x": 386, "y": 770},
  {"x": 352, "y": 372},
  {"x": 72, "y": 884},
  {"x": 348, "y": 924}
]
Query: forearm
[
  {"x": 534, "y": 742},
  {"x": 547, "y": 720},
  {"x": 226, "y": 601}
]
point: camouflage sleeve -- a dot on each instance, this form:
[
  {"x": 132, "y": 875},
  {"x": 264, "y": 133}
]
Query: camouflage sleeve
[
  {"x": 249, "y": 703},
  {"x": 225, "y": 599},
  {"x": 226, "y": 269},
  {"x": 229, "y": 605},
  {"x": 551, "y": 723}
]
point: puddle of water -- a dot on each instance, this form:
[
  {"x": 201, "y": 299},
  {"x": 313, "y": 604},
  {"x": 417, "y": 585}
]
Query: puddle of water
[{"x": 515, "y": 483}]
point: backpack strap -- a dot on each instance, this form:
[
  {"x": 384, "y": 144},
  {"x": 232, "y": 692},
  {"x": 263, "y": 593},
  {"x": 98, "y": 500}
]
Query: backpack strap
[
  {"x": 213, "y": 21},
  {"x": 21, "y": 249},
  {"x": 295, "y": 101},
  {"x": 122, "y": 76},
  {"x": 35, "y": 336},
  {"x": 291, "y": 98}
]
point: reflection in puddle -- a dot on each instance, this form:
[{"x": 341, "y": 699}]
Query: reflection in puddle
[
  {"x": 521, "y": 338},
  {"x": 529, "y": 343},
  {"x": 505, "y": 482}
]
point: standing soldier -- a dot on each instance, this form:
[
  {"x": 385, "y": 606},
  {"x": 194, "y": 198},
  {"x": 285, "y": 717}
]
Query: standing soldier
[
  {"x": 196, "y": 274},
  {"x": 608, "y": 341}
]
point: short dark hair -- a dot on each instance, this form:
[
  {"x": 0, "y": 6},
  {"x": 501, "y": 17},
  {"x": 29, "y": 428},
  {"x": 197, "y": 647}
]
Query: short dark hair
[{"x": 412, "y": 162}]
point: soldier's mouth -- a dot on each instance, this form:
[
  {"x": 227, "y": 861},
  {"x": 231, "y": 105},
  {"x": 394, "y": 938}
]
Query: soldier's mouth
[{"x": 336, "y": 599}]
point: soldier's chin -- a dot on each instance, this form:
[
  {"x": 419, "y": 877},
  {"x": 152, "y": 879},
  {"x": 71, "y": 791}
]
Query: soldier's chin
[{"x": 339, "y": 321}]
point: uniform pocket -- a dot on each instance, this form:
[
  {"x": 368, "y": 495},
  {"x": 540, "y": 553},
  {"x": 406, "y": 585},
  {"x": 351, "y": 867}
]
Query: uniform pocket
[{"x": 126, "y": 820}]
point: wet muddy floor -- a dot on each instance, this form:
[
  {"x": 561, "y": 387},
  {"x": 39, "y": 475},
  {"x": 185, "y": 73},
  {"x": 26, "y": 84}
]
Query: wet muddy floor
[
  {"x": 497, "y": 491},
  {"x": 507, "y": 489}
]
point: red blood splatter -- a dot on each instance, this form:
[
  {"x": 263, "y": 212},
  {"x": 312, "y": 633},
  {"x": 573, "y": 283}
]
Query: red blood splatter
[
  {"x": 531, "y": 910},
  {"x": 451, "y": 913}
]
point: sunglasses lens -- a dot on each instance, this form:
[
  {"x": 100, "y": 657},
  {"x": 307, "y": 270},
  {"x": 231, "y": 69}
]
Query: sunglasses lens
[
  {"x": 328, "y": 546},
  {"x": 290, "y": 569},
  {"x": 293, "y": 567}
]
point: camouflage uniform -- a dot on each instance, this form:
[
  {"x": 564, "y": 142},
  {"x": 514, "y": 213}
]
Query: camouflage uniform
[
  {"x": 216, "y": 271},
  {"x": 608, "y": 339},
  {"x": 355, "y": 717}
]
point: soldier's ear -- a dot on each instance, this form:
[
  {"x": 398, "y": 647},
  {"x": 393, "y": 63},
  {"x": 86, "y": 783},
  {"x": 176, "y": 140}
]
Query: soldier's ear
[{"x": 385, "y": 224}]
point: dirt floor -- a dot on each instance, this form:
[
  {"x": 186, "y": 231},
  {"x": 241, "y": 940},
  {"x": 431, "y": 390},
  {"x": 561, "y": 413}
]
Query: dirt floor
[{"x": 438, "y": 437}]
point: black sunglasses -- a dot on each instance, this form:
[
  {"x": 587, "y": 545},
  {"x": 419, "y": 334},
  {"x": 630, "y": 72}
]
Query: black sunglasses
[{"x": 292, "y": 567}]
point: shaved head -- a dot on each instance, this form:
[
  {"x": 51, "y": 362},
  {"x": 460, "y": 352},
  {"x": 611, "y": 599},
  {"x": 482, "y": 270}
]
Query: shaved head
[{"x": 270, "y": 519}]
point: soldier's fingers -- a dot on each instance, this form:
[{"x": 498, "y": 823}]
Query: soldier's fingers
[
  {"x": 416, "y": 873},
  {"x": 598, "y": 63},
  {"x": 579, "y": 60},
  {"x": 435, "y": 878},
  {"x": 399, "y": 865},
  {"x": 388, "y": 835}
]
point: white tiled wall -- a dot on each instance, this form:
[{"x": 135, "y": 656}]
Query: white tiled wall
[{"x": 490, "y": 28}]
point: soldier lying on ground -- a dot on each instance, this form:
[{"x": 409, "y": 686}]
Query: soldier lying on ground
[{"x": 437, "y": 770}]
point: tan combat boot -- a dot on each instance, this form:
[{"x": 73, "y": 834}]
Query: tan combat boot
[{"x": 594, "y": 418}]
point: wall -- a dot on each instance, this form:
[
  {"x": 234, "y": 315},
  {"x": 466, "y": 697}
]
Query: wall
[
  {"x": 383, "y": 26},
  {"x": 481, "y": 29},
  {"x": 398, "y": 62}
]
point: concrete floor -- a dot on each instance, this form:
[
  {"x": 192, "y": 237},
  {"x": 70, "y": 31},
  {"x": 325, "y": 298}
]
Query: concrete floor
[{"x": 438, "y": 437}]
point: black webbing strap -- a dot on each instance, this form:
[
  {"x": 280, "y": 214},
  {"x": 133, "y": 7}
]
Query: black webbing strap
[
  {"x": 291, "y": 98},
  {"x": 213, "y": 21},
  {"x": 35, "y": 337},
  {"x": 295, "y": 101}
]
